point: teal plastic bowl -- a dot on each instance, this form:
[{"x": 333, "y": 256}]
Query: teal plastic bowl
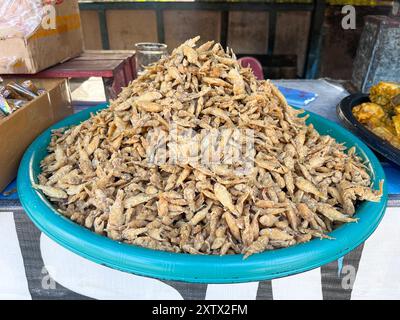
[{"x": 197, "y": 268}]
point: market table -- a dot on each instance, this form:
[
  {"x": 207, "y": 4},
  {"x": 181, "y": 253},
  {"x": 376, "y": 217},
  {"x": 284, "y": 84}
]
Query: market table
[
  {"x": 34, "y": 267},
  {"x": 116, "y": 68}
]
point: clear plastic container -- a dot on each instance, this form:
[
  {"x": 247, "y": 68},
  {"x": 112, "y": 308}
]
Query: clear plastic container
[{"x": 148, "y": 53}]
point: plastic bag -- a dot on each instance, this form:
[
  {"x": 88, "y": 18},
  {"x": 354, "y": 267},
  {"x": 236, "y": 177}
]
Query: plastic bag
[{"x": 20, "y": 18}]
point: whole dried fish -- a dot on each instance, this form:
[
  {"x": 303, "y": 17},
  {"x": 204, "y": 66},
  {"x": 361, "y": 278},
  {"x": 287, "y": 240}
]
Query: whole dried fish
[
  {"x": 52, "y": 192},
  {"x": 223, "y": 196}
]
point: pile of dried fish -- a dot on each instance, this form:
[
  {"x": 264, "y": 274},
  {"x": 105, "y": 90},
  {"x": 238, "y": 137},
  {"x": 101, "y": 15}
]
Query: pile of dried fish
[{"x": 107, "y": 173}]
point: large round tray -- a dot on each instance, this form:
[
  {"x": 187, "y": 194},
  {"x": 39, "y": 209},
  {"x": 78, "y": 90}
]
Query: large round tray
[{"x": 197, "y": 268}]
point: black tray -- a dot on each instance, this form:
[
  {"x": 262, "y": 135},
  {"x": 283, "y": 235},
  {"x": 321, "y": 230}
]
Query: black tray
[{"x": 345, "y": 114}]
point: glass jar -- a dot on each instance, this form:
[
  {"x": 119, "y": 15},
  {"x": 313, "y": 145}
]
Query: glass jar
[{"x": 148, "y": 53}]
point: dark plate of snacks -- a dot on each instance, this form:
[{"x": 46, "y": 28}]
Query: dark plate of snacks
[{"x": 375, "y": 118}]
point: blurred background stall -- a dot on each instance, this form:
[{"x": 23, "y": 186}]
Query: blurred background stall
[{"x": 292, "y": 38}]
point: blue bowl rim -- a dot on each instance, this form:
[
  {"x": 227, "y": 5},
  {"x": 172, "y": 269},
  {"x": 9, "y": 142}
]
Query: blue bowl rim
[{"x": 196, "y": 268}]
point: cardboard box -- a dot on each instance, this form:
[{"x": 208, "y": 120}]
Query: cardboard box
[
  {"x": 45, "y": 47},
  {"x": 18, "y": 130}
]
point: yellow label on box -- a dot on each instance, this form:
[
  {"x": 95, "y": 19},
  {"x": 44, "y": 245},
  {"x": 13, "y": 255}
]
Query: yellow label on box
[{"x": 63, "y": 24}]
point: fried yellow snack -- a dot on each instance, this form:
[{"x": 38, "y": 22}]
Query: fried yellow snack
[
  {"x": 396, "y": 124},
  {"x": 382, "y": 114},
  {"x": 368, "y": 112},
  {"x": 383, "y": 92}
]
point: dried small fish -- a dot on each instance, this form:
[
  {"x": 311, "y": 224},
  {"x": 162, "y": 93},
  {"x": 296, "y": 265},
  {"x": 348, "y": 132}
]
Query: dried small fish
[
  {"x": 84, "y": 162},
  {"x": 265, "y": 204},
  {"x": 268, "y": 220},
  {"x": 131, "y": 234},
  {"x": 132, "y": 202},
  {"x": 223, "y": 196},
  {"x": 216, "y": 82},
  {"x": 257, "y": 246},
  {"x": 149, "y": 106},
  {"x": 199, "y": 216},
  {"x": 149, "y": 97},
  {"x": 116, "y": 217},
  {"x": 190, "y": 54},
  {"x": 332, "y": 214},
  {"x": 276, "y": 234},
  {"x": 52, "y": 192},
  {"x": 309, "y": 187},
  {"x": 232, "y": 225},
  {"x": 135, "y": 171}
]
